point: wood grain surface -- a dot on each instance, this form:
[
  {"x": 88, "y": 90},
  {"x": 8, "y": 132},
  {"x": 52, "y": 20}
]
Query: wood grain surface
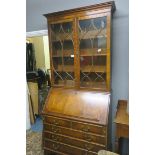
[{"x": 92, "y": 105}]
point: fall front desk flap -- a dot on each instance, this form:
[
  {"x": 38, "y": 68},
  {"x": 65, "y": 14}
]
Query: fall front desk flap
[{"x": 92, "y": 106}]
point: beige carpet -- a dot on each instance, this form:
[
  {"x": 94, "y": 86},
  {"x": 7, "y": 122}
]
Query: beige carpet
[{"x": 33, "y": 143}]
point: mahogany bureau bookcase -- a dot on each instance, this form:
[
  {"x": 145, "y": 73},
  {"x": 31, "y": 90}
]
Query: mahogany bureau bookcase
[{"x": 75, "y": 114}]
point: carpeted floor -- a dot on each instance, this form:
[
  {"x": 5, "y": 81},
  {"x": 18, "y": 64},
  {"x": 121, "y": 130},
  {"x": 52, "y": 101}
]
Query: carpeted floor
[
  {"x": 38, "y": 125},
  {"x": 33, "y": 143},
  {"x": 34, "y": 135},
  {"x": 42, "y": 97}
]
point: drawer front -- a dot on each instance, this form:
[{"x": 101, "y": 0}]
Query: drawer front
[
  {"x": 122, "y": 130},
  {"x": 75, "y": 125},
  {"x": 53, "y": 152},
  {"x": 48, "y": 151},
  {"x": 67, "y": 149},
  {"x": 76, "y": 134},
  {"x": 89, "y": 128},
  {"x": 75, "y": 142},
  {"x": 57, "y": 121}
]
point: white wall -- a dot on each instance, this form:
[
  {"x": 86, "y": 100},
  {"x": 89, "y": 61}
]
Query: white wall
[
  {"x": 46, "y": 52},
  {"x": 41, "y": 49},
  {"x": 120, "y": 40},
  {"x": 120, "y": 56}
]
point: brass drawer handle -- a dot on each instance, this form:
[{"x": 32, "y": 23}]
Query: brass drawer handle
[
  {"x": 88, "y": 147},
  {"x": 88, "y": 137},
  {"x": 104, "y": 132},
  {"x": 56, "y": 138},
  {"x": 86, "y": 129},
  {"x": 55, "y": 122},
  {"x": 55, "y": 130},
  {"x": 55, "y": 146}
]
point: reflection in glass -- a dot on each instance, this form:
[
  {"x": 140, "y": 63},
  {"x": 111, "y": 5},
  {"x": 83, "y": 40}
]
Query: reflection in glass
[
  {"x": 100, "y": 42},
  {"x": 85, "y": 43},
  {"x": 68, "y": 45},
  {"x": 100, "y": 23},
  {"x": 93, "y": 45}
]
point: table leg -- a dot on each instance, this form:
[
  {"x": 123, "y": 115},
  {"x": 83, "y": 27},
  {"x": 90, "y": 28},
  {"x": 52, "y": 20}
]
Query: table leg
[{"x": 116, "y": 144}]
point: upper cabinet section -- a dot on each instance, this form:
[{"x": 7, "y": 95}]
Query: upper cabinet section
[{"x": 79, "y": 43}]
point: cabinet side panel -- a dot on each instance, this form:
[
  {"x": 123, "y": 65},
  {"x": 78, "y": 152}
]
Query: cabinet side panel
[{"x": 108, "y": 75}]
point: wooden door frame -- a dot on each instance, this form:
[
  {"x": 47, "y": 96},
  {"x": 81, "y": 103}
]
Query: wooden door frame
[{"x": 108, "y": 14}]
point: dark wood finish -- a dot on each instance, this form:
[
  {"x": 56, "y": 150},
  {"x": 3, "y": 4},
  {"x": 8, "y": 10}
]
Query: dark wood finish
[
  {"x": 90, "y": 137},
  {"x": 98, "y": 129},
  {"x": 65, "y": 148},
  {"x": 79, "y": 144},
  {"x": 75, "y": 115},
  {"x": 48, "y": 151},
  {"x": 122, "y": 122},
  {"x": 74, "y": 141}
]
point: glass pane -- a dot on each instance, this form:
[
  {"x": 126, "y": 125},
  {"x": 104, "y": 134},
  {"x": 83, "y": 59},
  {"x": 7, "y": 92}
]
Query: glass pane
[
  {"x": 93, "y": 46},
  {"x": 57, "y": 48},
  {"x": 85, "y": 43},
  {"x": 63, "y": 53},
  {"x": 100, "y": 42},
  {"x": 93, "y": 80},
  {"x": 86, "y": 63},
  {"x": 99, "y": 61}
]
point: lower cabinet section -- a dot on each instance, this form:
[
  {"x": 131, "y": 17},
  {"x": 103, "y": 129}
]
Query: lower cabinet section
[
  {"x": 48, "y": 151},
  {"x": 59, "y": 140},
  {"x": 76, "y": 125},
  {"x": 74, "y": 142},
  {"x": 87, "y": 136},
  {"x": 53, "y": 152},
  {"x": 58, "y": 148},
  {"x": 75, "y": 122}
]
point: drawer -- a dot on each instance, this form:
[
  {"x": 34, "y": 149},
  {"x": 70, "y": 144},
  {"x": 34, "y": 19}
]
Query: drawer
[
  {"x": 122, "y": 130},
  {"x": 57, "y": 121},
  {"x": 66, "y": 149},
  {"x": 76, "y": 134},
  {"x": 48, "y": 151},
  {"x": 89, "y": 128},
  {"x": 75, "y": 142},
  {"x": 75, "y": 125}
]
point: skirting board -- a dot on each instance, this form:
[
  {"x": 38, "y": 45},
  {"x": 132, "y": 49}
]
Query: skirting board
[{"x": 36, "y": 33}]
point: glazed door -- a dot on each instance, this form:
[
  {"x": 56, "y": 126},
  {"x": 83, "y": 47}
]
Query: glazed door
[
  {"x": 94, "y": 51},
  {"x": 62, "y": 53}
]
